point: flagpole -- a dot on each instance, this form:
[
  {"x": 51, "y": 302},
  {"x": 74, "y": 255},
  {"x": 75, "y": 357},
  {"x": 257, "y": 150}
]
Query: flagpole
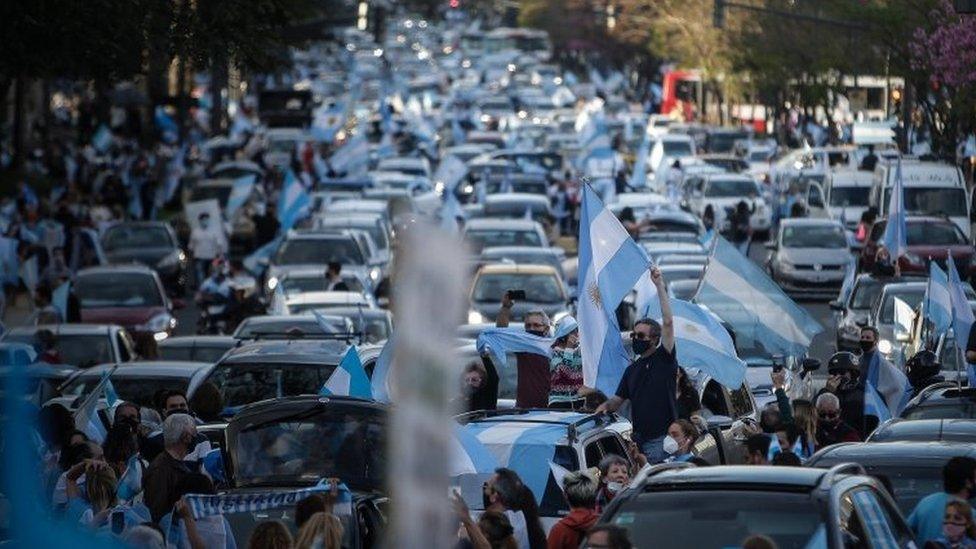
[{"x": 960, "y": 352}]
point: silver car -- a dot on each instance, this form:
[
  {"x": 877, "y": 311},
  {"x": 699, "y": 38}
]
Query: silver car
[{"x": 809, "y": 257}]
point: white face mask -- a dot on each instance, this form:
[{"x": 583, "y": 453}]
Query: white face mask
[
  {"x": 614, "y": 487},
  {"x": 670, "y": 445}
]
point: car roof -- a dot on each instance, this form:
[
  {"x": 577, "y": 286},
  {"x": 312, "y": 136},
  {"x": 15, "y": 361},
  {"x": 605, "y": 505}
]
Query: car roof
[
  {"x": 907, "y": 453},
  {"x": 502, "y": 251},
  {"x": 494, "y": 223},
  {"x": 944, "y": 392},
  {"x": 351, "y": 312},
  {"x": 133, "y": 268},
  {"x": 508, "y": 268},
  {"x": 529, "y": 427},
  {"x": 67, "y": 329},
  {"x": 851, "y": 178},
  {"x": 809, "y": 222},
  {"x": 148, "y": 369},
  {"x": 197, "y": 341},
  {"x": 776, "y": 477},
  {"x": 308, "y": 351},
  {"x": 925, "y": 429},
  {"x": 326, "y": 297}
]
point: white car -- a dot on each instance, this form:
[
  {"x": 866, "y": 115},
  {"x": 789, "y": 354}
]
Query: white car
[
  {"x": 673, "y": 146},
  {"x": 725, "y": 191},
  {"x": 307, "y": 302}
]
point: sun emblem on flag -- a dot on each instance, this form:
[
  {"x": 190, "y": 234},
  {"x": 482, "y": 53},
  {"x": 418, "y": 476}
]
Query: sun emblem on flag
[{"x": 594, "y": 291}]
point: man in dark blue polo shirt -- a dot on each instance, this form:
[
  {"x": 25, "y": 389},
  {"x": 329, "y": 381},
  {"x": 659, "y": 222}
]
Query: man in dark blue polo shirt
[{"x": 649, "y": 383}]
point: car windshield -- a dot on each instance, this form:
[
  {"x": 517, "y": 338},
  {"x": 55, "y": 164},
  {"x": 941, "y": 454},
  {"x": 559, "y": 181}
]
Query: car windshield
[
  {"x": 244, "y": 383},
  {"x": 281, "y": 146},
  {"x": 815, "y": 236},
  {"x": 849, "y": 196},
  {"x": 345, "y": 442},
  {"x": 189, "y": 352},
  {"x": 911, "y": 298},
  {"x": 140, "y": 390},
  {"x": 759, "y": 156},
  {"x": 307, "y": 308},
  {"x": 82, "y": 351},
  {"x": 950, "y": 201},
  {"x": 865, "y": 292},
  {"x": 120, "y": 236},
  {"x": 117, "y": 290},
  {"x": 319, "y": 251},
  {"x": 539, "y": 288},
  {"x": 677, "y": 149},
  {"x": 375, "y": 230},
  {"x": 715, "y": 519},
  {"x": 484, "y": 239},
  {"x": 529, "y": 259},
  {"x": 934, "y": 234},
  {"x": 284, "y": 325},
  {"x": 729, "y": 188},
  {"x": 298, "y": 285}
]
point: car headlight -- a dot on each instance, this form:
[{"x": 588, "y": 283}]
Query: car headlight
[
  {"x": 884, "y": 346},
  {"x": 171, "y": 260},
  {"x": 374, "y": 274},
  {"x": 159, "y": 323},
  {"x": 474, "y": 317},
  {"x": 272, "y": 283}
]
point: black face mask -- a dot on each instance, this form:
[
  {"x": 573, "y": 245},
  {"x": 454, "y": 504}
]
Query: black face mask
[
  {"x": 866, "y": 346},
  {"x": 640, "y": 346},
  {"x": 540, "y": 333}
]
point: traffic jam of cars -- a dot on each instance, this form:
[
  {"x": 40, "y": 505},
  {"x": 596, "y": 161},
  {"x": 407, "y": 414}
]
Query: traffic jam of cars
[{"x": 670, "y": 334}]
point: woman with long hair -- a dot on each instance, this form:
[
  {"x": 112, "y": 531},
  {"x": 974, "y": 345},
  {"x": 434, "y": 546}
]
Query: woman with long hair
[
  {"x": 323, "y": 530},
  {"x": 958, "y": 528}
]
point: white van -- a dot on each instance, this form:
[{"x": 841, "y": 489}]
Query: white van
[
  {"x": 931, "y": 188},
  {"x": 672, "y": 146},
  {"x": 846, "y": 195}
]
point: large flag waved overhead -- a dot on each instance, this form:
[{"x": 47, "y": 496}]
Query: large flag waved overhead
[
  {"x": 610, "y": 262},
  {"x": 741, "y": 294}
]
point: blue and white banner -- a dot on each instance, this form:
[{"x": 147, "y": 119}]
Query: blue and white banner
[
  {"x": 451, "y": 212},
  {"x": 742, "y": 294},
  {"x": 890, "y": 384},
  {"x": 850, "y": 276},
  {"x": 239, "y": 193},
  {"x": 130, "y": 485},
  {"x": 470, "y": 456},
  {"x": 87, "y": 419},
  {"x": 895, "y": 234},
  {"x": 352, "y": 158},
  {"x": 349, "y": 378},
  {"x": 449, "y": 173},
  {"x": 962, "y": 316},
  {"x": 257, "y": 262},
  {"x": 610, "y": 263},
  {"x": 938, "y": 300},
  {"x": 209, "y": 505},
  {"x": 500, "y": 341},
  {"x": 294, "y": 202},
  {"x": 638, "y": 178},
  {"x": 380, "y": 382},
  {"x": 700, "y": 339},
  {"x": 59, "y": 299}
]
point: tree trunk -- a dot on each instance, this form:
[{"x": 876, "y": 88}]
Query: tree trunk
[
  {"x": 218, "y": 83},
  {"x": 181, "y": 102}
]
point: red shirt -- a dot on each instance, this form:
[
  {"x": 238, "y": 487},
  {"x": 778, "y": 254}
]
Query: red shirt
[
  {"x": 569, "y": 531},
  {"x": 533, "y": 381}
]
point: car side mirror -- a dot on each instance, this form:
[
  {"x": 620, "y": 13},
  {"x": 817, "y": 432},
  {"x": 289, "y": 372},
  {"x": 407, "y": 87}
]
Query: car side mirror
[
  {"x": 810, "y": 365},
  {"x": 178, "y": 304},
  {"x": 836, "y": 305}
]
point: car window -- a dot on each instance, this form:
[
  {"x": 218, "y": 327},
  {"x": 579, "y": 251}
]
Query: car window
[
  {"x": 241, "y": 384},
  {"x": 502, "y": 237},
  {"x": 878, "y": 529},
  {"x": 124, "y": 355},
  {"x": 140, "y": 390},
  {"x": 123, "y": 236},
  {"x": 612, "y": 446},
  {"x": 865, "y": 292},
  {"x": 319, "y": 251},
  {"x": 539, "y": 288},
  {"x": 730, "y": 188},
  {"x": 593, "y": 454},
  {"x": 118, "y": 290},
  {"x": 741, "y": 403},
  {"x": 911, "y": 298},
  {"x": 850, "y": 523},
  {"x": 177, "y": 353},
  {"x": 814, "y": 236},
  {"x": 713, "y": 399},
  {"x": 83, "y": 351}
]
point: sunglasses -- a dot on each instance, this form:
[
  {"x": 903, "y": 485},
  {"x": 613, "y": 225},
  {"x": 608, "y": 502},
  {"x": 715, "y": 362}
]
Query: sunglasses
[
  {"x": 828, "y": 415},
  {"x": 644, "y": 337}
]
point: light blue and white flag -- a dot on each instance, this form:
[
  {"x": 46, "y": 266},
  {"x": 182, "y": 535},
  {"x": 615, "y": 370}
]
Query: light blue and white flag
[
  {"x": 742, "y": 294},
  {"x": 239, "y": 193},
  {"x": 87, "y": 419},
  {"x": 895, "y": 234},
  {"x": 850, "y": 276},
  {"x": 213, "y": 465},
  {"x": 774, "y": 447},
  {"x": 130, "y": 484},
  {"x": 874, "y": 405},
  {"x": 111, "y": 397},
  {"x": 352, "y": 158},
  {"x": 380, "y": 382},
  {"x": 230, "y": 503},
  {"x": 938, "y": 300},
  {"x": 610, "y": 263},
  {"x": 457, "y": 132},
  {"x": 701, "y": 340},
  {"x": 500, "y": 341},
  {"x": 257, "y": 262},
  {"x": 469, "y": 455},
  {"x": 59, "y": 300},
  {"x": 889, "y": 384},
  {"x": 349, "y": 378},
  {"x": 450, "y": 212},
  {"x": 450, "y": 172},
  {"x": 322, "y": 322},
  {"x": 294, "y": 202},
  {"x": 962, "y": 316}
]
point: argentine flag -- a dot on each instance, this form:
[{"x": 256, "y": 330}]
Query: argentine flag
[
  {"x": 380, "y": 382},
  {"x": 638, "y": 178},
  {"x": 887, "y": 384},
  {"x": 610, "y": 263},
  {"x": 239, "y": 193},
  {"x": 962, "y": 316},
  {"x": 740, "y": 293},
  {"x": 293, "y": 203},
  {"x": 894, "y": 238},
  {"x": 469, "y": 456},
  {"x": 938, "y": 303},
  {"x": 349, "y": 378},
  {"x": 701, "y": 340},
  {"x": 87, "y": 419},
  {"x": 850, "y": 276}
]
